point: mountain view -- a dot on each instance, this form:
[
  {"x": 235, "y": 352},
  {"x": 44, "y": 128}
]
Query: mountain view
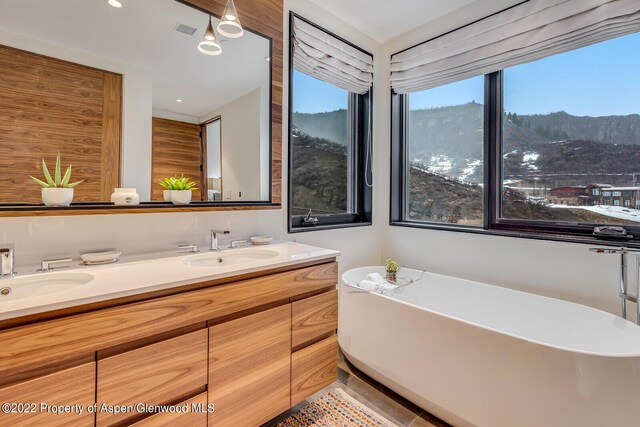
[{"x": 541, "y": 153}]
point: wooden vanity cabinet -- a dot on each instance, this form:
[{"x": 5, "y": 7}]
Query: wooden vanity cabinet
[
  {"x": 155, "y": 374},
  {"x": 250, "y": 349},
  {"x": 73, "y": 386},
  {"x": 249, "y": 368}
]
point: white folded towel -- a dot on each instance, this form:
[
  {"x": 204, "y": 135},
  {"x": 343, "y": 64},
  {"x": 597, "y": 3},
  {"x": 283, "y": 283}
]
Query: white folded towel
[
  {"x": 368, "y": 285},
  {"x": 376, "y": 278},
  {"x": 387, "y": 287}
]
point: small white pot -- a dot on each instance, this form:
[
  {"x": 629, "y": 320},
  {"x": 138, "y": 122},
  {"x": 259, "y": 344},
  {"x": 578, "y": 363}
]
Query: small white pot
[
  {"x": 125, "y": 196},
  {"x": 57, "y": 196},
  {"x": 167, "y": 195},
  {"x": 181, "y": 197}
]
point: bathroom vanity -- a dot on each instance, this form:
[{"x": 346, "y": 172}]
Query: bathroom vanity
[{"x": 237, "y": 344}]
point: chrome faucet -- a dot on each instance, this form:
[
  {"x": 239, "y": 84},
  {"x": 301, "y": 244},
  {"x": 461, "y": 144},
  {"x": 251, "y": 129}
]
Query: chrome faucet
[
  {"x": 46, "y": 264},
  {"x": 7, "y": 253},
  {"x": 214, "y": 239}
]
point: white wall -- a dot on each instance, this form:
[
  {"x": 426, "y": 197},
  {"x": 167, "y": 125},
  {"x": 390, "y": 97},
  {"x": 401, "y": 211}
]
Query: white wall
[
  {"x": 60, "y": 236},
  {"x": 240, "y": 136},
  {"x": 556, "y": 269},
  {"x": 136, "y": 106}
]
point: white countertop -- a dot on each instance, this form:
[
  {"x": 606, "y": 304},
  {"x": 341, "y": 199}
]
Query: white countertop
[{"x": 138, "y": 274}]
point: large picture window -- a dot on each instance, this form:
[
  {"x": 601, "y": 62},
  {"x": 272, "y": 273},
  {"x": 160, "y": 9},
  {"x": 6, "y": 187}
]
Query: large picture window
[
  {"x": 548, "y": 147},
  {"x": 329, "y": 134}
]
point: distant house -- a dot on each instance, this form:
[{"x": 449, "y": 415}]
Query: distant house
[
  {"x": 574, "y": 195},
  {"x": 628, "y": 197},
  {"x": 594, "y": 192}
]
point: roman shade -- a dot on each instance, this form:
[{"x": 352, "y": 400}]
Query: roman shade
[
  {"x": 523, "y": 33},
  {"x": 323, "y": 56}
]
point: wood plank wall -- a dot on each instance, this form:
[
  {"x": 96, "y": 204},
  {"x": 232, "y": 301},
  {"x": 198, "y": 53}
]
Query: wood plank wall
[
  {"x": 176, "y": 150},
  {"x": 49, "y": 105}
]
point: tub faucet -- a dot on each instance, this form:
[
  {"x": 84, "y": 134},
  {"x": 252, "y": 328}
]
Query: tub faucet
[
  {"x": 7, "y": 253},
  {"x": 214, "y": 239}
]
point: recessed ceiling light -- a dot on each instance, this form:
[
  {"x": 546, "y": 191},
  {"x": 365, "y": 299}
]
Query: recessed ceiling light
[
  {"x": 179, "y": 100},
  {"x": 115, "y": 3}
]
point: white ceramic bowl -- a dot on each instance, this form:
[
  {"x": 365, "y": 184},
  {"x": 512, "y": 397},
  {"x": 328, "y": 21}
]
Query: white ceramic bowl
[
  {"x": 57, "y": 196},
  {"x": 181, "y": 197}
]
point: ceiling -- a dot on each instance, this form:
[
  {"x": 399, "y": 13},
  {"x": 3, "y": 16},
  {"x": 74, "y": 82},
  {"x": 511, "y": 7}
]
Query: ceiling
[
  {"x": 384, "y": 20},
  {"x": 142, "y": 34}
]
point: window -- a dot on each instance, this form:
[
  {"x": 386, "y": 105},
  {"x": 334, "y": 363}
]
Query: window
[
  {"x": 321, "y": 147},
  {"x": 445, "y": 133},
  {"x": 552, "y": 148},
  {"x": 329, "y": 152}
]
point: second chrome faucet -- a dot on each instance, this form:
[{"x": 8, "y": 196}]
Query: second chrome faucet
[{"x": 214, "y": 239}]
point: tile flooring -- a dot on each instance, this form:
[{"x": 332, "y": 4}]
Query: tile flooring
[{"x": 373, "y": 395}]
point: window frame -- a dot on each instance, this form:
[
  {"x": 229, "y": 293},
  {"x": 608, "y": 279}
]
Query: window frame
[
  {"x": 493, "y": 224},
  {"x": 360, "y": 127}
]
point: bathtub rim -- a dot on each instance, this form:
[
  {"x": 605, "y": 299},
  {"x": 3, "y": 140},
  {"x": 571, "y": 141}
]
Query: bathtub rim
[{"x": 377, "y": 268}]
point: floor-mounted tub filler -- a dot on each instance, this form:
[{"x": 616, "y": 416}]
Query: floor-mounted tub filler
[{"x": 481, "y": 355}]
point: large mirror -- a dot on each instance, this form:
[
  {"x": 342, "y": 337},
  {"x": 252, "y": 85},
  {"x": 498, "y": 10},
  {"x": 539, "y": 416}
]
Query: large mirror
[{"x": 121, "y": 90}]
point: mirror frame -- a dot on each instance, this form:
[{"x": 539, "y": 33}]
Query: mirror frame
[{"x": 262, "y": 17}]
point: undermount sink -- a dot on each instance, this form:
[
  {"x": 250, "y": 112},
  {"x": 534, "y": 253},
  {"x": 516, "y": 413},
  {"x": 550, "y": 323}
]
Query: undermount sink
[
  {"x": 230, "y": 257},
  {"x": 42, "y": 284}
]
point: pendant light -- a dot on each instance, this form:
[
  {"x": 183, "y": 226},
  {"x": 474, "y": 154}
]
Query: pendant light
[
  {"x": 229, "y": 25},
  {"x": 209, "y": 45}
]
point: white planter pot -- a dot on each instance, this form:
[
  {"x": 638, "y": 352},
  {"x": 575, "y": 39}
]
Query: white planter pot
[
  {"x": 167, "y": 195},
  {"x": 125, "y": 196},
  {"x": 57, "y": 196},
  {"x": 181, "y": 197}
]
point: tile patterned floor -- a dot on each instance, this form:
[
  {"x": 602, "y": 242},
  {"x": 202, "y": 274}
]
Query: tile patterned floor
[{"x": 373, "y": 395}]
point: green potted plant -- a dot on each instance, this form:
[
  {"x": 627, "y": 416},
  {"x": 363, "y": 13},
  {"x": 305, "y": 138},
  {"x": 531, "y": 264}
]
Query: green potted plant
[
  {"x": 391, "y": 267},
  {"x": 56, "y": 191},
  {"x": 181, "y": 189}
]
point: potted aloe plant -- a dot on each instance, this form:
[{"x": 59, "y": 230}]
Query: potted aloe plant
[
  {"x": 180, "y": 189},
  {"x": 56, "y": 191}
]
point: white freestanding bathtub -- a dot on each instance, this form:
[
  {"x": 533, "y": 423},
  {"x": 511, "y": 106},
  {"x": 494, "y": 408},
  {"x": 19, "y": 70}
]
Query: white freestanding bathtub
[{"x": 480, "y": 355}]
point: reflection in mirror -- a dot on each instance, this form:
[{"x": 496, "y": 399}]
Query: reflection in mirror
[{"x": 126, "y": 97}]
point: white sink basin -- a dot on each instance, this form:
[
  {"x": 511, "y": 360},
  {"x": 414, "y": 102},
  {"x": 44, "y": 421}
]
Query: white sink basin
[
  {"x": 41, "y": 284},
  {"x": 230, "y": 257}
]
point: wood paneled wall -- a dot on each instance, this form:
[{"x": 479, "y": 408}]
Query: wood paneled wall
[
  {"x": 49, "y": 105},
  {"x": 176, "y": 150},
  {"x": 266, "y": 18}
]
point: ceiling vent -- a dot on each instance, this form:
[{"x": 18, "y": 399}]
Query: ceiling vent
[{"x": 185, "y": 29}]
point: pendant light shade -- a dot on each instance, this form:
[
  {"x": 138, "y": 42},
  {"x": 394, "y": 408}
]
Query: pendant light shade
[
  {"x": 209, "y": 45},
  {"x": 229, "y": 25}
]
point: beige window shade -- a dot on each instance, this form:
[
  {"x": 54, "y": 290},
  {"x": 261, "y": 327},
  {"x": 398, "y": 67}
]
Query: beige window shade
[
  {"x": 324, "y": 57},
  {"x": 524, "y": 33}
]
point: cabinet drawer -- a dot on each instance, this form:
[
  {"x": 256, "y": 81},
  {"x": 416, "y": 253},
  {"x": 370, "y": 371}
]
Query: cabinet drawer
[
  {"x": 313, "y": 318},
  {"x": 249, "y": 368},
  {"x": 195, "y": 415},
  {"x": 73, "y": 386},
  {"x": 313, "y": 368},
  {"x": 154, "y": 374}
]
